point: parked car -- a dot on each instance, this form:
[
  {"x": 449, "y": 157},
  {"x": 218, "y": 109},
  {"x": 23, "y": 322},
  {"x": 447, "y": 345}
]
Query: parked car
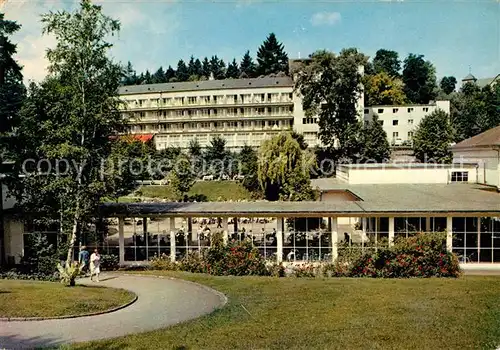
[
  {"x": 238, "y": 177},
  {"x": 224, "y": 177},
  {"x": 208, "y": 178}
]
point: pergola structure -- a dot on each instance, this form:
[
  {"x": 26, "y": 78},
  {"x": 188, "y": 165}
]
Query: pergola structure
[{"x": 468, "y": 213}]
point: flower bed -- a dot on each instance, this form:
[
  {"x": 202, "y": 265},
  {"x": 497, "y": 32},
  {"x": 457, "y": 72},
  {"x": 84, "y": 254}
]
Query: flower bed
[{"x": 423, "y": 255}]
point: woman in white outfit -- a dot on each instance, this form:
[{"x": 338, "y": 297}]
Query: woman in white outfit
[{"x": 95, "y": 263}]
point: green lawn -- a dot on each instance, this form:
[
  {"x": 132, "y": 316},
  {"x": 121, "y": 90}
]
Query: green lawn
[
  {"x": 46, "y": 299},
  {"x": 290, "y": 313},
  {"x": 213, "y": 190}
]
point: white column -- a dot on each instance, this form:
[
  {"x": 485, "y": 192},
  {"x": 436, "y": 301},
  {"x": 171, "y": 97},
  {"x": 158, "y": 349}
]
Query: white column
[
  {"x": 172, "y": 239},
  {"x": 225, "y": 230},
  {"x": 279, "y": 240},
  {"x": 334, "y": 239},
  {"x": 121, "y": 241},
  {"x": 363, "y": 232},
  {"x": 449, "y": 233},
  {"x": 391, "y": 231},
  {"x": 478, "y": 238}
]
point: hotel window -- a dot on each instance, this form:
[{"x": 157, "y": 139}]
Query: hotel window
[
  {"x": 290, "y": 96},
  {"x": 166, "y": 101},
  {"x": 192, "y": 126},
  {"x": 395, "y": 134},
  {"x": 395, "y": 110},
  {"x": 309, "y": 120},
  {"x": 190, "y": 112},
  {"x": 395, "y": 122},
  {"x": 380, "y": 110},
  {"x": 141, "y": 102},
  {"x": 459, "y": 176},
  {"x": 426, "y": 109},
  {"x": 232, "y": 124},
  {"x": 367, "y": 111},
  {"x": 290, "y": 109},
  {"x": 179, "y": 113},
  {"x": 410, "y": 121},
  {"x": 262, "y": 97},
  {"x": 410, "y": 134},
  {"x": 247, "y": 124},
  {"x": 192, "y": 100},
  {"x": 205, "y": 125},
  {"x": 214, "y": 112},
  {"x": 214, "y": 98},
  {"x": 410, "y": 110},
  {"x": 261, "y": 111},
  {"x": 205, "y": 99}
]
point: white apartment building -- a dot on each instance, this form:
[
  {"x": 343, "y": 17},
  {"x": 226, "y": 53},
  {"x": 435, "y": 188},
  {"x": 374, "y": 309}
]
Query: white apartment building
[
  {"x": 242, "y": 111},
  {"x": 400, "y": 122}
]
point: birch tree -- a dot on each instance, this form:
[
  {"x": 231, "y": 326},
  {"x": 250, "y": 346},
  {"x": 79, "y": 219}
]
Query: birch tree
[{"x": 68, "y": 119}]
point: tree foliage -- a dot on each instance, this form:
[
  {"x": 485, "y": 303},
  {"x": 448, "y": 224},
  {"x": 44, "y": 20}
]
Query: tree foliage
[
  {"x": 433, "y": 137},
  {"x": 419, "y": 77},
  {"x": 233, "y": 72},
  {"x": 247, "y": 66},
  {"x": 181, "y": 177},
  {"x": 475, "y": 110},
  {"x": 248, "y": 167},
  {"x": 283, "y": 169},
  {"x": 375, "y": 147},
  {"x": 71, "y": 116},
  {"x": 12, "y": 91},
  {"x": 448, "y": 84},
  {"x": 331, "y": 86},
  {"x": 387, "y": 61},
  {"x": 382, "y": 89},
  {"x": 271, "y": 57}
]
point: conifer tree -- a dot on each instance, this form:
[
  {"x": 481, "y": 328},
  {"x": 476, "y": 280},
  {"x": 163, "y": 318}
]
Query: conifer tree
[
  {"x": 247, "y": 66},
  {"x": 182, "y": 73},
  {"x": 169, "y": 74},
  {"x": 271, "y": 57},
  {"x": 233, "y": 72},
  {"x": 205, "y": 70}
]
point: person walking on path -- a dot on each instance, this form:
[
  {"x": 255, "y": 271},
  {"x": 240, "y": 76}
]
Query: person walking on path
[
  {"x": 95, "y": 265},
  {"x": 83, "y": 258}
]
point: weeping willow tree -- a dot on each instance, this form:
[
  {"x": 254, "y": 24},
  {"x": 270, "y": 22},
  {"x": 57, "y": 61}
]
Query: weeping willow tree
[{"x": 283, "y": 169}]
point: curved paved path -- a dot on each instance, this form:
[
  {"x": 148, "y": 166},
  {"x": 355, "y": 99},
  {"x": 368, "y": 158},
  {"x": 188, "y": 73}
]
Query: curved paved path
[{"x": 161, "y": 302}]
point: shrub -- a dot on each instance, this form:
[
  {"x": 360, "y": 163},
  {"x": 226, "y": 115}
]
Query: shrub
[
  {"x": 40, "y": 257},
  {"x": 193, "y": 262},
  {"x": 69, "y": 272},
  {"x": 14, "y": 274},
  {"x": 423, "y": 255},
  {"x": 110, "y": 262},
  {"x": 163, "y": 262},
  {"x": 306, "y": 270},
  {"x": 276, "y": 270}
]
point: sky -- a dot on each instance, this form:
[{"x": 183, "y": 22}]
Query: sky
[{"x": 454, "y": 35}]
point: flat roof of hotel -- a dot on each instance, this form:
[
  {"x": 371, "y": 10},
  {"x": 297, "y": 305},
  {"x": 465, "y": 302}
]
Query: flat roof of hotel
[
  {"x": 407, "y": 165},
  {"x": 375, "y": 200}
]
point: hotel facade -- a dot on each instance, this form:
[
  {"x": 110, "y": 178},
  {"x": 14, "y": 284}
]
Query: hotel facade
[{"x": 245, "y": 111}]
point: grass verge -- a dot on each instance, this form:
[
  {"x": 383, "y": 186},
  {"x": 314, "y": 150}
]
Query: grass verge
[
  {"x": 212, "y": 190},
  {"x": 305, "y": 313},
  {"x": 49, "y": 299}
]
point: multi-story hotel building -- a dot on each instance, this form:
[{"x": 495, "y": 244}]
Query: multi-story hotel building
[
  {"x": 242, "y": 111},
  {"x": 400, "y": 122}
]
